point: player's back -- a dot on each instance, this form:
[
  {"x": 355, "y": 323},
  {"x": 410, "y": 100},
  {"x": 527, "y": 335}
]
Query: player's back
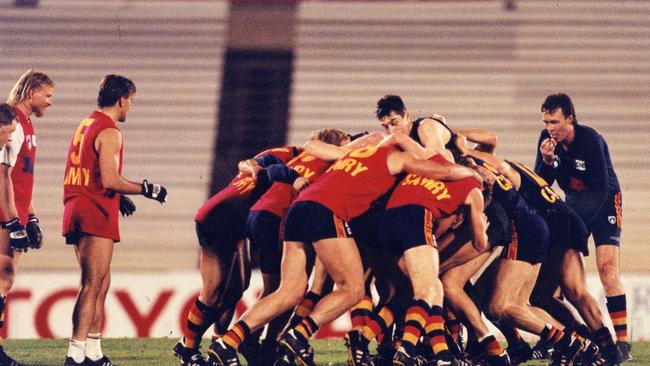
[
  {"x": 353, "y": 182},
  {"x": 82, "y": 173}
]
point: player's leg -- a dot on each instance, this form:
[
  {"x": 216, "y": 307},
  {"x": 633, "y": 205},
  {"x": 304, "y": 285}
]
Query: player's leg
[
  {"x": 519, "y": 267},
  {"x": 321, "y": 285},
  {"x": 341, "y": 260},
  {"x": 462, "y": 305},
  {"x": 458, "y": 300},
  {"x": 95, "y": 255},
  {"x": 220, "y": 239},
  {"x": 545, "y": 295},
  {"x": 8, "y": 268},
  {"x": 263, "y": 230},
  {"x": 607, "y": 236},
  {"x": 94, "y": 353},
  {"x": 574, "y": 286},
  {"x": 292, "y": 287}
]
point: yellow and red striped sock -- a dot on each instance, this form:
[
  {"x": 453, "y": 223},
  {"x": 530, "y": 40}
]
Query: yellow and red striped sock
[
  {"x": 435, "y": 329},
  {"x": 199, "y": 319},
  {"x": 361, "y": 312},
  {"x": 415, "y": 320},
  {"x": 617, "y": 308},
  {"x": 307, "y": 327},
  {"x": 307, "y": 304},
  {"x": 378, "y": 324},
  {"x": 236, "y": 335}
]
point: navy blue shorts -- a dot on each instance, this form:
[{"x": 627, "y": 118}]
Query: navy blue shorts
[
  {"x": 309, "y": 222},
  {"x": 530, "y": 238},
  {"x": 567, "y": 228},
  {"x": 608, "y": 224},
  {"x": 406, "y": 227},
  {"x": 223, "y": 227},
  {"x": 263, "y": 231}
]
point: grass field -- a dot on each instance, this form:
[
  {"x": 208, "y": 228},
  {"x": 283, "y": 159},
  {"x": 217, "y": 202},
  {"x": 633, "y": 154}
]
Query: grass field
[{"x": 154, "y": 352}]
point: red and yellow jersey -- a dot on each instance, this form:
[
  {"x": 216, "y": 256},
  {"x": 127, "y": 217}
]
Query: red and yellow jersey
[
  {"x": 22, "y": 159},
  {"x": 279, "y": 197},
  {"x": 353, "y": 182},
  {"x": 242, "y": 186},
  {"x": 440, "y": 197},
  {"x": 82, "y": 173}
]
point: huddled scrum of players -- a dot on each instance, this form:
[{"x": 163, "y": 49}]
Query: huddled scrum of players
[{"x": 445, "y": 232}]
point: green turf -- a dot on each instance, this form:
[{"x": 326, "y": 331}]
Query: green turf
[{"x": 150, "y": 352}]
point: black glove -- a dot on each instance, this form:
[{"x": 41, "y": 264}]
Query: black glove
[
  {"x": 154, "y": 191},
  {"x": 34, "y": 232},
  {"x": 127, "y": 207},
  {"x": 18, "y": 238}
]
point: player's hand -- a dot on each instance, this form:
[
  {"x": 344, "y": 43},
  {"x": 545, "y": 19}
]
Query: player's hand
[
  {"x": 547, "y": 149},
  {"x": 300, "y": 183},
  {"x": 476, "y": 175},
  {"x": 127, "y": 207},
  {"x": 18, "y": 238},
  {"x": 34, "y": 232},
  {"x": 461, "y": 143},
  {"x": 154, "y": 191}
]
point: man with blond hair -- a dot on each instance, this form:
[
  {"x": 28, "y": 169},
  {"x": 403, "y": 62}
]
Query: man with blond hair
[{"x": 31, "y": 95}]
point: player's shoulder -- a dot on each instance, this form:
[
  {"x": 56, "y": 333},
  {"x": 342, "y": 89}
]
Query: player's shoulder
[{"x": 586, "y": 131}]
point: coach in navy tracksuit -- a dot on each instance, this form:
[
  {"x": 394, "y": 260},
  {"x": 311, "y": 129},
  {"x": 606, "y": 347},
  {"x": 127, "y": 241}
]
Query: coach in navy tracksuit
[{"x": 578, "y": 158}]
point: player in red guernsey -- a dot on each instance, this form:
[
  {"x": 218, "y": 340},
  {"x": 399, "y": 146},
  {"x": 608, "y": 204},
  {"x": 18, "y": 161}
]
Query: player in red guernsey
[
  {"x": 31, "y": 95},
  {"x": 316, "y": 222},
  {"x": 407, "y": 227},
  {"x": 92, "y": 189},
  {"x": 224, "y": 268},
  {"x": 263, "y": 226}
]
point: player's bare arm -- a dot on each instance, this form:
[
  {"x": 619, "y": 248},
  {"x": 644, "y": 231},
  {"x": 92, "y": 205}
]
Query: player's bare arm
[
  {"x": 7, "y": 202},
  {"x": 434, "y": 136},
  {"x": 399, "y": 161},
  {"x": 107, "y": 145},
  {"x": 330, "y": 152},
  {"x": 478, "y": 220},
  {"x": 486, "y": 139},
  {"x": 325, "y": 151},
  {"x": 406, "y": 143}
]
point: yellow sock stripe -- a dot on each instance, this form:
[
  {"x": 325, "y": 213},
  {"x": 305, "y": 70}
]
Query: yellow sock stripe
[
  {"x": 230, "y": 342},
  {"x": 439, "y": 347},
  {"x": 410, "y": 338},
  {"x": 368, "y": 333},
  {"x": 416, "y": 317},
  {"x": 303, "y": 330},
  {"x": 386, "y": 314}
]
